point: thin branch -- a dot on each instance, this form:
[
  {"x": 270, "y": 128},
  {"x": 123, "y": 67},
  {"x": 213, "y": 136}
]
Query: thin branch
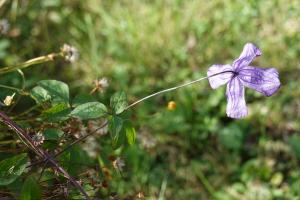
[
  {"x": 6, "y": 120},
  {"x": 71, "y": 144}
]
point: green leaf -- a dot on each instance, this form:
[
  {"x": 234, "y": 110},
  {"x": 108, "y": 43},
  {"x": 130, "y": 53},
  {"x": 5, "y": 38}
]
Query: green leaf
[
  {"x": 130, "y": 133},
  {"x": 115, "y": 126},
  {"x": 59, "y": 91},
  {"x": 58, "y": 112},
  {"x": 12, "y": 168},
  {"x": 89, "y": 110},
  {"x": 118, "y": 102},
  {"x": 81, "y": 99},
  {"x": 53, "y": 134},
  {"x": 39, "y": 94},
  {"x": 31, "y": 189}
]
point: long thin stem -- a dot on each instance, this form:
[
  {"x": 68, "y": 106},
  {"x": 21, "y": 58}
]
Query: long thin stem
[
  {"x": 174, "y": 88},
  {"x": 164, "y": 91}
]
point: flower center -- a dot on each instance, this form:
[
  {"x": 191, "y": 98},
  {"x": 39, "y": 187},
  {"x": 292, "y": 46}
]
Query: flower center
[{"x": 235, "y": 73}]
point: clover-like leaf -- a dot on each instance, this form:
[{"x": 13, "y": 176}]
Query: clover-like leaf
[
  {"x": 118, "y": 102},
  {"x": 12, "y": 168},
  {"x": 58, "y": 112},
  {"x": 115, "y": 126},
  {"x": 39, "y": 94},
  {"x": 89, "y": 110},
  {"x": 59, "y": 91}
]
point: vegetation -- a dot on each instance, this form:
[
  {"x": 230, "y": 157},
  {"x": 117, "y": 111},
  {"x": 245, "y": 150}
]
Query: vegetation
[{"x": 68, "y": 127}]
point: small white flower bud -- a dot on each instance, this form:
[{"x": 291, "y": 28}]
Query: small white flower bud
[{"x": 9, "y": 100}]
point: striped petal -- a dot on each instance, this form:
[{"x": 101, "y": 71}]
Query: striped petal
[
  {"x": 219, "y": 75},
  {"x": 250, "y": 51},
  {"x": 263, "y": 80},
  {"x": 236, "y": 104}
]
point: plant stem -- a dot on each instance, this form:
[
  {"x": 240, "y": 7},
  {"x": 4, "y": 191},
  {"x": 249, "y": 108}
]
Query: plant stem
[
  {"x": 6, "y": 120},
  {"x": 10, "y": 88},
  {"x": 71, "y": 144},
  {"x": 34, "y": 61},
  {"x": 174, "y": 88}
]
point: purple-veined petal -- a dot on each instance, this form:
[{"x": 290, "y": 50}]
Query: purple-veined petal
[
  {"x": 215, "y": 76},
  {"x": 250, "y": 51},
  {"x": 236, "y": 104},
  {"x": 263, "y": 80}
]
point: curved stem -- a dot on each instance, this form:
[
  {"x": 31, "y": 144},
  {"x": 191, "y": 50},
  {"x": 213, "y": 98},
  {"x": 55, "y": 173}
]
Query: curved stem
[
  {"x": 174, "y": 88},
  {"x": 10, "y": 88}
]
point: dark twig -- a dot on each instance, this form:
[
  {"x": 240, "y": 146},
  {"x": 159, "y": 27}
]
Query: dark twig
[
  {"x": 44, "y": 155},
  {"x": 71, "y": 144}
]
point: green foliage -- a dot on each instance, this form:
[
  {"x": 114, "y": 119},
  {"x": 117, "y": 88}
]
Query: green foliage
[
  {"x": 11, "y": 168},
  {"x": 31, "y": 189},
  {"x": 4, "y": 44},
  {"x": 130, "y": 133},
  {"x": 40, "y": 94},
  {"x": 57, "y": 90},
  {"x": 118, "y": 102},
  {"x": 142, "y": 47},
  {"x": 59, "y": 112},
  {"x": 81, "y": 99},
  {"x": 53, "y": 134},
  {"x": 91, "y": 110},
  {"x": 231, "y": 137},
  {"x": 115, "y": 127},
  {"x": 294, "y": 141}
]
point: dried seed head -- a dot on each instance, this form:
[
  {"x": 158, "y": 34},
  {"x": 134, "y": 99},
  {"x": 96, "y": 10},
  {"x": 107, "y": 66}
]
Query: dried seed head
[
  {"x": 118, "y": 164},
  {"x": 100, "y": 85},
  {"x": 4, "y": 26},
  {"x": 76, "y": 128},
  {"x": 9, "y": 100},
  {"x": 38, "y": 139},
  {"x": 70, "y": 53}
]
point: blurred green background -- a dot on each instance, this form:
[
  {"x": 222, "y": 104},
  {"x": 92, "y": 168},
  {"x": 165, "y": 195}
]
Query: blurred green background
[{"x": 142, "y": 46}]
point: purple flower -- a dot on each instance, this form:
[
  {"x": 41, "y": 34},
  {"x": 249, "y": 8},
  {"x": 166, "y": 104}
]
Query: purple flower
[{"x": 240, "y": 74}]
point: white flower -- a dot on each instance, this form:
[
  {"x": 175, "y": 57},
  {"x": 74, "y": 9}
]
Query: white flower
[
  {"x": 70, "y": 53},
  {"x": 38, "y": 139}
]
